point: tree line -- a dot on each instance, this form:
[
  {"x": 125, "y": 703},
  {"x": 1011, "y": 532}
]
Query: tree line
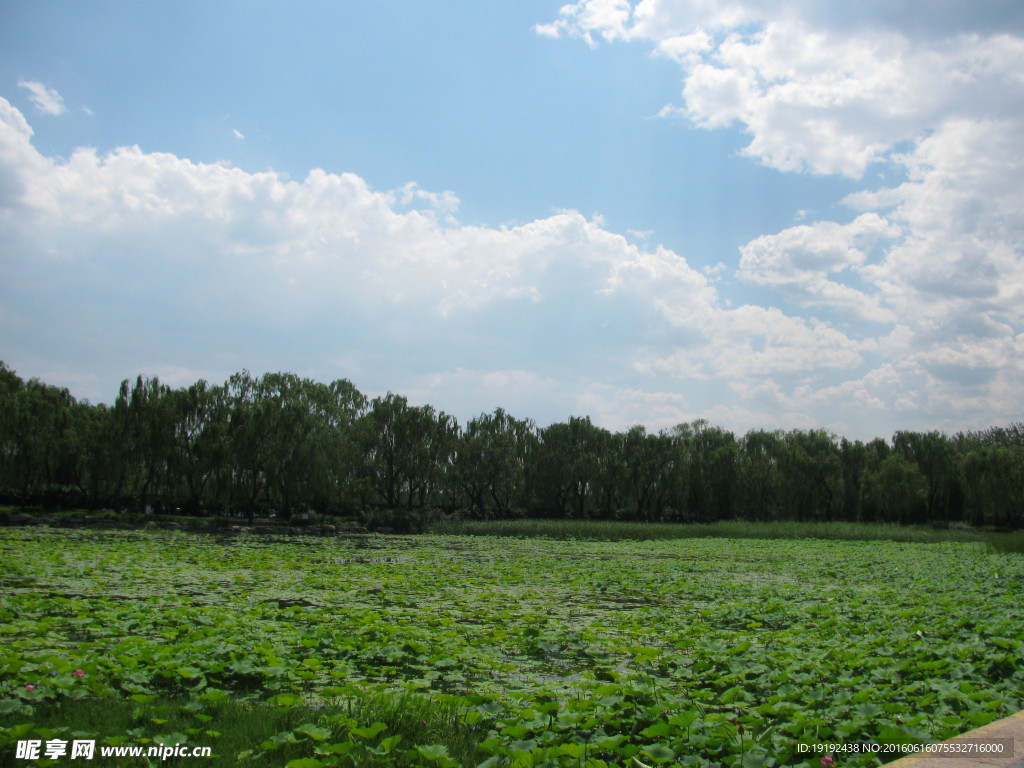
[{"x": 283, "y": 444}]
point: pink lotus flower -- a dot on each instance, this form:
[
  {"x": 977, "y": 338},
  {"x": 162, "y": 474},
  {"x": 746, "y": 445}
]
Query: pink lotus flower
[
  {"x": 30, "y": 687},
  {"x": 827, "y": 761},
  {"x": 78, "y": 673}
]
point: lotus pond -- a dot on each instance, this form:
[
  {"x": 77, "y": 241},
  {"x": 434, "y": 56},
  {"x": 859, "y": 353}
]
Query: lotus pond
[{"x": 694, "y": 652}]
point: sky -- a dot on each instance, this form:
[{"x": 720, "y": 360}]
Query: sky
[{"x": 770, "y": 214}]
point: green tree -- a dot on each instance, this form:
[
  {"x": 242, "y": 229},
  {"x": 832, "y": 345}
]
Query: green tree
[
  {"x": 650, "y": 480},
  {"x": 35, "y": 436},
  {"x": 199, "y": 443},
  {"x": 708, "y": 459},
  {"x": 409, "y": 450},
  {"x": 610, "y": 490},
  {"x": 250, "y": 442},
  {"x": 992, "y": 472},
  {"x": 565, "y": 472},
  {"x": 101, "y": 459},
  {"x": 491, "y": 465},
  {"x": 145, "y": 419},
  {"x": 292, "y": 442},
  {"x": 758, "y": 469},
  {"x": 897, "y": 490},
  {"x": 336, "y": 483},
  {"x": 934, "y": 454},
  {"x": 811, "y": 472}
]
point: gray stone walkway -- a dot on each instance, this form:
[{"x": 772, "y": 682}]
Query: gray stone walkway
[{"x": 1011, "y": 727}]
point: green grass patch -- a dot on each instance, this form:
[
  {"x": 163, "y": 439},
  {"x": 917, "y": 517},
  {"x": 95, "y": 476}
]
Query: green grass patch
[
  {"x": 610, "y": 530},
  {"x": 1007, "y": 542},
  {"x": 354, "y": 731}
]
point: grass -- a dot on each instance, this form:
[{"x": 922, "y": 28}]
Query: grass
[
  {"x": 612, "y": 530},
  {"x": 1007, "y": 542},
  {"x": 260, "y": 735},
  {"x": 597, "y": 530}
]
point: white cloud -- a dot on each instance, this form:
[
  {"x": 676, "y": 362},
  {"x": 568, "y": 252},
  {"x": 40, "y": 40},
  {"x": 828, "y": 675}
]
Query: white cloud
[
  {"x": 47, "y": 100},
  {"x": 829, "y": 102},
  {"x": 149, "y": 260},
  {"x": 814, "y": 92},
  {"x": 957, "y": 279},
  {"x": 609, "y": 17},
  {"x": 745, "y": 346},
  {"x": 128, "y": 261},
  {"x": 618, "y": 409},
  {"x": 939, "y": 259},
  {"x": 799, "y": 261}
]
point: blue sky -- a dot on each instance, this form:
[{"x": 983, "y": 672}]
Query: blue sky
[{"x": 767, "y": 214}]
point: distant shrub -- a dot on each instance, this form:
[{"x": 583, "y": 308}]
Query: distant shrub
[
  {"x": 400, "y": 520},
  {"x": 611, "y": 530},
  {"x": 1007, "y": 542}
]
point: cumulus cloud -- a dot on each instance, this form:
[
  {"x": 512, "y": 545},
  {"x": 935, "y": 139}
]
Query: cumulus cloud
[
  {"x": 148, "y": 261},
  {"x": 802, "y": 262},
  {"x": 129, "y": 261},
  {"x": 47, "y": 100},
  {"x": 609, "y": 18},
  {"x": 751, "y": 343},
  {"x": 825, "y": 88},
  {"x": 825, "y": 99}
]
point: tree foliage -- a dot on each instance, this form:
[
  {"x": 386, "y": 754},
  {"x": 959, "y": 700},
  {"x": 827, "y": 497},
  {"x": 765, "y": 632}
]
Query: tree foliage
[{"x": 282, "y": 444}]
